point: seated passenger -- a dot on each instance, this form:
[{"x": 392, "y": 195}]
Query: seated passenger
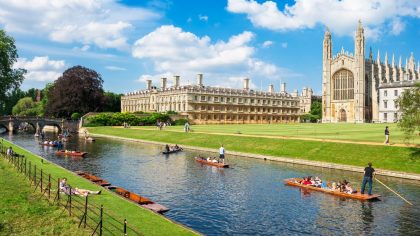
[
  {"x": 307, "y": 181},
  {"x": 65, "y": 188}
]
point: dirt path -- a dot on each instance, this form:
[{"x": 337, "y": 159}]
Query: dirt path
[{"x": 295, "y": 138}]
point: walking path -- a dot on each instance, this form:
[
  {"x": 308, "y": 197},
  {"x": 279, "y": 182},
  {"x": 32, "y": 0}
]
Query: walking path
[
  {"x": 294, "y": 138},
  {"x": 382, "y": 172}
]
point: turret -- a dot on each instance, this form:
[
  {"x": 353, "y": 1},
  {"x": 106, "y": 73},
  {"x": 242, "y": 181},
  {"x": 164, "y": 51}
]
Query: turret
[
  {"x": 163, "y": 83},
  {"x": 200, "y": 79},
  {"x": 176, "y": 81},
  {"x": 283, "y": 88},
  {"x": 271, "y": 88},
  {"x": 149, "y": 84},
  {"x": 387, "y": 74},
  {"x": 246, "y": 84}
]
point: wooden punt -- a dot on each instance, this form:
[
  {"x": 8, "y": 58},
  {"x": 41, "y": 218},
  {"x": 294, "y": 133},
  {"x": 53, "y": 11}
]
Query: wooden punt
[
  {"x": 172, "y": 151},
  {"x": 145, "y": 202},
  {"x": 203, "y": 161},
  {"x": 93, "y": 178},
  {"x": 71, "y": 153},
  {"x": 49, "y": 145},
  {"x": 358, "y": 195}
]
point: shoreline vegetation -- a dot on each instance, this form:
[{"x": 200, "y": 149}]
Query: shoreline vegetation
[
  {"x": 146, "y": 221},
  {"x": 392, "y": 158}
]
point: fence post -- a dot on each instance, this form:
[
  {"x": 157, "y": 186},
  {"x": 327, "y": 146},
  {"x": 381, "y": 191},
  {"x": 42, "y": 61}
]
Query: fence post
[
  {"x": 58, "y": 191},
  {"x": 100, "y": 222},
  {"x": 41, "y": 181},
  {"x": 86, "y": 209},
  {"x": 30, "y": 171},
  {"x": 25, "y": 167},
  {"x": 35, "y": 175},
  {"x": 125, "y": 227},
  {"x": 70, "y": 202},
  {"x": 49, "y": 186}
]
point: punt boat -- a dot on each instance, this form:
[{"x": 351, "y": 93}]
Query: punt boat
[
  {"x": 358, "y": 195},
  {"x": 93, "y": 178},
  {"x": 71, "y": 153},
  {"x": 217, "y": 164},
  {"x": 172, "y": 151}
]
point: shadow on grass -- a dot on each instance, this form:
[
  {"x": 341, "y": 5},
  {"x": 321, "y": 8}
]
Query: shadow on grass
[{"x": 415, "y": 154}]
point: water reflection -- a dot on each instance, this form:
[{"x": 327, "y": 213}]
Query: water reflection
[{"x": 248, "y": 199}]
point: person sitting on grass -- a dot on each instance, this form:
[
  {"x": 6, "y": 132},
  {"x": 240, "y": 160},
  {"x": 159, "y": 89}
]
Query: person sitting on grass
[{"x": 65, "y": 188}]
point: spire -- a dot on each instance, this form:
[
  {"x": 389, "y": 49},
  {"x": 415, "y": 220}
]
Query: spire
[
  {"x": 342, "y": 50},
  {"x": 370, "y": 54},
  {"x": 386, "y": 59},
  {"x": 393, "y": 61},
  {"x": 400, "y": 63},
  {"x": 327, "y": 32},
  {"x": 412, "y": 64},
  {"x": 378, "y": 58},
  {"x": 406, "y": 64}
]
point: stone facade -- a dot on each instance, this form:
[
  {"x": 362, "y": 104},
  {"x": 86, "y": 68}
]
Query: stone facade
[
  {"x": 213, "y": 105},
  {"x": 351, "y": 84}
]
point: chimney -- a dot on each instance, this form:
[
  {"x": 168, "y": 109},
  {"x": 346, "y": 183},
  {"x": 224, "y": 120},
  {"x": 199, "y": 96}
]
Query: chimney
[
  {"x": 283, "y": 88},
  {"x": 246, "y": 84},
  {"x": 295, "y": 93},
  {"x": 163, "y": 83},
  {"x": 176, "y": 81},
  {"x": 200, "y": 79},
  {"x": 271, "y": 88},
  {"x": 149, "y": 84}
]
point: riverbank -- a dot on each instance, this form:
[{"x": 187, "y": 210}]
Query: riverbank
[
  {"x": 145, "y": 221},
  {"x": 24, "y": 212},
  {"x": 390, "y": 161}
]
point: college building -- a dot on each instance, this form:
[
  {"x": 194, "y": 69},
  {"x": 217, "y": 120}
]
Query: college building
[
  {"x": 213, "y": 105},
  {"x": 356, "y": 89}
]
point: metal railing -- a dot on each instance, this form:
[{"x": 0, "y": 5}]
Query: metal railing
[{"x": 90, "y": 215}]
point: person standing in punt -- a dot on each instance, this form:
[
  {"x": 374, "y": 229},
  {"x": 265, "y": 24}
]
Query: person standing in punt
[
  {"x": 367, "y": 178},
  {"x": 222, "y": 154}
]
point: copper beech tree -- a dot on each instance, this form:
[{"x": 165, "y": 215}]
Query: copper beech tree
[{"x": 79, "y": 90}]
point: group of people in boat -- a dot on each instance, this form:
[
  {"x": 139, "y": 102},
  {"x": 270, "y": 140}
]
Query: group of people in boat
[
  {"x": 341, "y": 186},
  {"x": 172, "y": 148},
  {"x": 211, "y": 159},
  {"x": 57, "y": 143}
]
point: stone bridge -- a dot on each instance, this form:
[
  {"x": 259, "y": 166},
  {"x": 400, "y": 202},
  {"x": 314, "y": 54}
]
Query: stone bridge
[{"x": 11, "y": 123}]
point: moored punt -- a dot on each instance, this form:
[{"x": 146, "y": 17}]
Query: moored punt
[
  {"x": 93, "y": 178},
  {"x": 172, "y": 151},
  {"x": 144, "y": 202},
  {"x": 217, "y": 164},
  {"x": 358, "y": 195},
  {"x": 71, "y": 153}
]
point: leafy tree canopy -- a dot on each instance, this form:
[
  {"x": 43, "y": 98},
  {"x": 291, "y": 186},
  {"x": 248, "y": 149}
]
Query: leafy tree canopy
[
  {"x": 315, "y": 113},
  {"x": 79, "y": 89},
  {"x": 10, "y": 78},
  {"x": 409, "y": 105},
  {"x": 26, "y": 107},
  {"x": 112, "y": 102}
]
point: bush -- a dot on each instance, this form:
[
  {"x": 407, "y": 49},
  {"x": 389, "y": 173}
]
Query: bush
[
  {"x": 76, "y": 116},
  {"x": 180, "y": 122},
  {"x": 118, "y": 119}
]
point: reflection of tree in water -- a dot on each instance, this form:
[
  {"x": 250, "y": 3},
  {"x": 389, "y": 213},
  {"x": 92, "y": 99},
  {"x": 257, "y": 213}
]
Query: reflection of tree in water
[{"x": 367, "y": 217}]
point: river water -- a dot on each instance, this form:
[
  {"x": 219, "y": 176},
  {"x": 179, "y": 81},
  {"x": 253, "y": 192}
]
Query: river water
[{"x": 247, "y": 199}]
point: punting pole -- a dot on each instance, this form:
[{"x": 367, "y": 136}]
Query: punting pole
[{"x": 394, "y": 192}]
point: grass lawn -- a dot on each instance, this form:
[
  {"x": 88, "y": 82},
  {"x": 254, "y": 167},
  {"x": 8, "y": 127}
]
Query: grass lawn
[
  {"x": 353, "y": 132},
  {"x": 384, "y": 157},
  {"x": 141, "y": 219},
  {"x": 23, "y": 212}
]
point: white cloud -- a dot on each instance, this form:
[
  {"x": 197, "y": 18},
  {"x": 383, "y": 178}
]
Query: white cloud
[
  {"x": 172, "y": 51},
  {"x": 103, "y": 23},
  {"x": 397, "y": 26},
  {"x": 203, "y": 18},
  {"x": 341, "y": 16},
  {"x": 115, "y": 68},
  {"x": 41, "y": 69},
  {"x": 267, "y": 44}
]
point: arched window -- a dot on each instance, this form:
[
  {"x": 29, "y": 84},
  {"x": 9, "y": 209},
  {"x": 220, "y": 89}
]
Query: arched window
[{"x": 343, "y": 85}]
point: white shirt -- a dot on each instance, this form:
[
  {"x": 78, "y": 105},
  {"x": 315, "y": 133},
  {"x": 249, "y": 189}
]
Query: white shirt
[{"x": 222, "y": 151}]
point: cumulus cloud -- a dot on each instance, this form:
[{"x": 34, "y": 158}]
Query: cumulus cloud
[
  {"x": 267, "y": 44},
  {"x": 341, "y": 16},
  {"x": 102, "y": 23},
  {"x": 172, "y": 51},
  {"x": 41, "y": 69}
]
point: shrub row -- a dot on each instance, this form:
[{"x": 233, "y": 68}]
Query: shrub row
[{"x": 117, "y": 119}]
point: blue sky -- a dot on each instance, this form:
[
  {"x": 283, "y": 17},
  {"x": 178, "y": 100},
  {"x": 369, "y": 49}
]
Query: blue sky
[{"x": 270, "y": 42}]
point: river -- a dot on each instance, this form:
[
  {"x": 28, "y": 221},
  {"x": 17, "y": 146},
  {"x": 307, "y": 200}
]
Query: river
[{"x": 247, "y": 199}]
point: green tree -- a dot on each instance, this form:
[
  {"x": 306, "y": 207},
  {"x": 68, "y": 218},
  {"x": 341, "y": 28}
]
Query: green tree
[
  {"x": 79, "y": 89},
  {"x": 315, "y": 113},
  {"x": 409, "y": 105},
  {"x": 26, "y": 107},
  {"x": 10, "y": 78},
  {"x": 112, "y": 102}
]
